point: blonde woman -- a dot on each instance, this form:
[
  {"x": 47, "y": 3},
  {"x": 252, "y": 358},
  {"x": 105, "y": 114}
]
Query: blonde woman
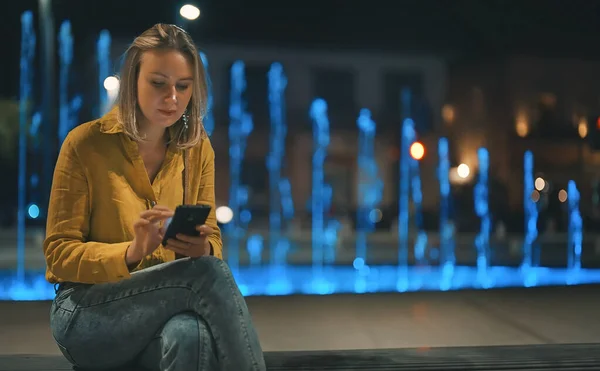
[{"x": 122, "y": 298}]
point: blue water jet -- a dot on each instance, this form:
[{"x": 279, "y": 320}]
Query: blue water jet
[
  {"x": 420, "y": 243},
  {"x": 287, "y": 203},
  {"x": 370, "y": 186},
  {"x": 68, "y": 108},
  {"x": 239, "y": 128},
  {"x": 103, "y": 57},
  {"x": 209, "y": 119},
  {"x": 406, "y": 140},
  {"x": 481, "y": 195},
  {"x": 370, "y": 190},
  {"x": 255, "y": 245},
  {"x": 331, "y": 227},
  {"x": 28, "y": 40},
  {"x": 66, "y": 57},
  {"x": 330, "y": 244},
  {"x": 531, "y": 216},
  {"x": 321, "y": 194},
  {"x": 575, "y": 229},
  {"x": 280, "y": 209},
  {"x": 447, "y": 258}
]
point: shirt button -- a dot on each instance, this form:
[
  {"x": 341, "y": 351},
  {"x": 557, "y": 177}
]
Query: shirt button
[{"x": 152, "y": 203}]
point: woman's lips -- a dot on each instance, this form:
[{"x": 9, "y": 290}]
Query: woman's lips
[{"x": 166, "y": 112}]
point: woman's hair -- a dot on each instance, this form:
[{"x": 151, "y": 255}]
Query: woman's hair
[{"x": 163, "y": 37}]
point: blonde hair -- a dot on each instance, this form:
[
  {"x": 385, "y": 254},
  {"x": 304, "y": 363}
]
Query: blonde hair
[{"x": 165, "y": 37}]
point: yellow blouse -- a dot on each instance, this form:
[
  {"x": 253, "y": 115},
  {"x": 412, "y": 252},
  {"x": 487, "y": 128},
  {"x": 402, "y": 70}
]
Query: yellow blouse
[{"x": 101, "y": 186}]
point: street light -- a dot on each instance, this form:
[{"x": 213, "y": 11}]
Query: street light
[
  {"x": 189, "y": 12},
  {"x": 417, "y": 151},
  {"x": 112, "y": 86},
  {"x": 111, "y": 83},
  {"x": 463, "y": 171}
]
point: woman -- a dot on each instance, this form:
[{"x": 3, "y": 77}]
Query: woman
[{"x": 122, "y": 297}]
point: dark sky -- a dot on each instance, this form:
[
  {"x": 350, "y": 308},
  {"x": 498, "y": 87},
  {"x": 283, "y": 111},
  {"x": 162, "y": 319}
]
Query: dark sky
[{"x": 477, "y": 27}]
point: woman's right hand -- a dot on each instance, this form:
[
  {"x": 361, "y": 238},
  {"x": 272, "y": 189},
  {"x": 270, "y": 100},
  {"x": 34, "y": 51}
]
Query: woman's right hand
[{"x": 149, "y": 230}]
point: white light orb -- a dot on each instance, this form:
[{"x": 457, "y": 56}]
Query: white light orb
[
  {"x": 189, "y": 12},
  {"x": 224, "y": 214}
]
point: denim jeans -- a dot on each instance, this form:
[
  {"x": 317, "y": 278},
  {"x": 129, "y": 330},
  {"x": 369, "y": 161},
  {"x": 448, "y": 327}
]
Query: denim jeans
[{"x": 183, "y": 315}]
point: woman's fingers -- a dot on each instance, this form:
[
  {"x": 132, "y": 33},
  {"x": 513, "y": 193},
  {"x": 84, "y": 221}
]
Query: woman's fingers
[
  {"x": 156, "y": 215},
  {"x": 162, "y": 208},
  {"x": 141, "y": 223},
  {"x": 194, "y": 240},
  {"x": 178, "y": 244},
  {"x": 204, "y": 230},
  {"x": 178, "y": 250}
]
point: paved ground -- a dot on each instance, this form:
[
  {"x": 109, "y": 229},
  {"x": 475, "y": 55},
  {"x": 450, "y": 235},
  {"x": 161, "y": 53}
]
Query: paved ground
[{"x": 464, "y": 318}]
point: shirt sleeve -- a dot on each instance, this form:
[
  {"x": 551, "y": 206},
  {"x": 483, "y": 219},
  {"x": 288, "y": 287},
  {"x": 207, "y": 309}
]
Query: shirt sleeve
[
  {"x": 69, "y": 255},
  {"x": 206, "y": 196}
]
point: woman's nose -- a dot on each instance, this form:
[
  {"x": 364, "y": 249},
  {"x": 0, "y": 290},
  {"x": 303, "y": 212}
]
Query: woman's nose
[{"x": 172, "y": 95}]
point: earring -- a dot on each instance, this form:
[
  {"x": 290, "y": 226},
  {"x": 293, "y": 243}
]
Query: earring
[{"x": 185, "y": 119}]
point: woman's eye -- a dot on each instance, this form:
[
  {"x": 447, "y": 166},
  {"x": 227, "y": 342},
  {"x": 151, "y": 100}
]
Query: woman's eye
[
  {"x": 182, "y": 87},
  {"x": 157, "y": 83}
]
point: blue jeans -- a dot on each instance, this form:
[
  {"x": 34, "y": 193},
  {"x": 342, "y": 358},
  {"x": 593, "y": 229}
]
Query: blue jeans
[{"x": 183, "y": 315}]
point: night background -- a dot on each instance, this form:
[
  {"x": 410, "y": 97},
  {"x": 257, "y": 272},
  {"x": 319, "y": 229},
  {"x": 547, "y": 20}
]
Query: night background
[
  {"x": 511, "y": 88},
  {"x": 472, "y": 41}
]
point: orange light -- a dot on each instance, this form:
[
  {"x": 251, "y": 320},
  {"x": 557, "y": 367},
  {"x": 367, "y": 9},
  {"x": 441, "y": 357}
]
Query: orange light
[
  {"x": 598, "y": 123},
  {"x": 417, "y": 151}
]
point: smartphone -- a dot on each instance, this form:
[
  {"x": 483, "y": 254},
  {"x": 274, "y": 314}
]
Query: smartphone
[{"x": 185, "y": 221}]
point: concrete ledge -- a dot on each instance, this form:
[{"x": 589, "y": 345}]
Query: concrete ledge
[{"x": 538, "y": 357}]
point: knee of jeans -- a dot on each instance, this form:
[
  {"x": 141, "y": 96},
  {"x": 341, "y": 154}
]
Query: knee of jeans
[
  {"x": 213, "y": 267},
  {"x": 184, "y": 331}
]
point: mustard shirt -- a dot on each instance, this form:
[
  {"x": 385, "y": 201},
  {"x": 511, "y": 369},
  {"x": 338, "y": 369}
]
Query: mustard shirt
[{"x": 99, "y": 189}]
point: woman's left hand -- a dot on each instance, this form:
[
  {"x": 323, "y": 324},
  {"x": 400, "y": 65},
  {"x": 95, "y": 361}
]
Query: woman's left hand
[{"x": 192, "y": 246}]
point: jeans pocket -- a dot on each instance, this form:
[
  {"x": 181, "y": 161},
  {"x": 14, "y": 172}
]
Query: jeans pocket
[
  {"x": 66, "y": 353},
  {"x": 68, "y": 297}
]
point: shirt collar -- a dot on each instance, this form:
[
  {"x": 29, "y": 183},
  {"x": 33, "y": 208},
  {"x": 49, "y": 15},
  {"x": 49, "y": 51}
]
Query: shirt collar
[{"x": 110, "y": 123}]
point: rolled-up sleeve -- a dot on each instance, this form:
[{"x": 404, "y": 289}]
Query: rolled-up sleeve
[
  {"x": 206, "y": 196},
  {"x": 69, "y": 256}
]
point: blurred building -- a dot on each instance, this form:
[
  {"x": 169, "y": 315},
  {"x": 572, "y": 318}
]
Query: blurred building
[{"x": 517, "y": 103}]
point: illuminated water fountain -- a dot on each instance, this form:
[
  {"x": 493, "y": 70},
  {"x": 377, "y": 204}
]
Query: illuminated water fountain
[
  {"x": 28, "y": 41},
  {"x": 447, "y": 258},
  {"x": 416, "y": 153},
  {"x": 407, "y": 138},
  {"x": 320, "y": 198},
  {"x": 280, "y": 201},
  {"x": 574, "y": 248},
  {"x": 209, "y": 119},
  {"x": 68, "y": 108},
  {"x": 104, "y": 70},
  {"x": 420, "y": 244},
  {"x": 370, "y": 190},
  {"x": 482, "y": 209},
  {"x": 531, "y": 216},
  {"x": 239, "y": 128}
]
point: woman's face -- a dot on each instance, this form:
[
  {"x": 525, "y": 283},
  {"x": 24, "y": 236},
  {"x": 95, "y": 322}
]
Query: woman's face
[{"x": 164, "y": 86}]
